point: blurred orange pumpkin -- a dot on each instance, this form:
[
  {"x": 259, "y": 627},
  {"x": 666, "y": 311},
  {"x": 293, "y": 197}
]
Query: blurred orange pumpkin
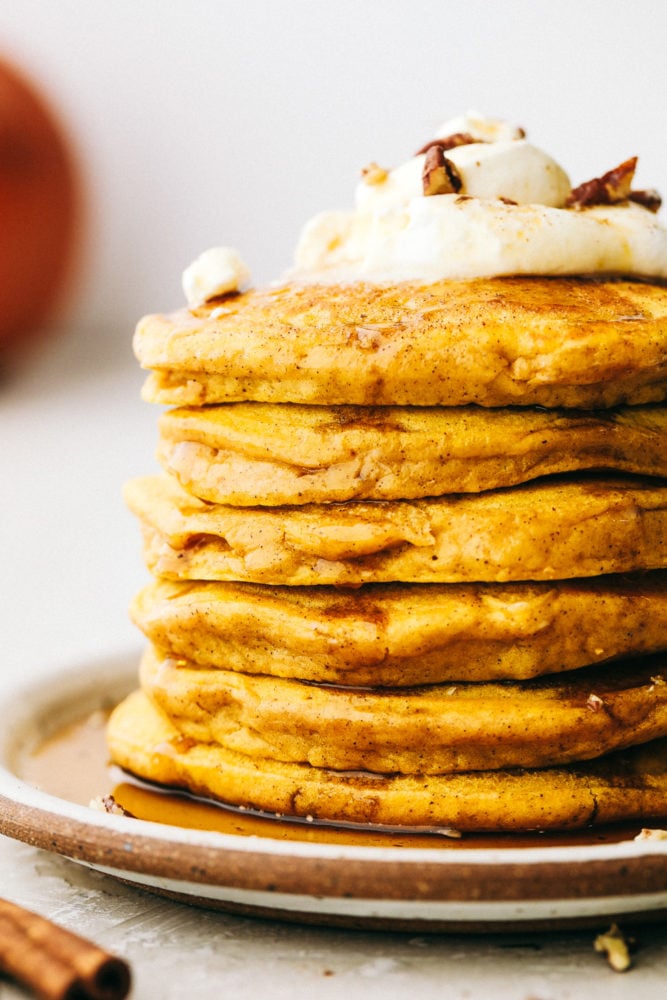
[{"x": 39, "y": 211}]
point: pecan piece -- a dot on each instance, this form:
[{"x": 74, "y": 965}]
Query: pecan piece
[
  {"x": 612, "y": 187},
  {"x": 450, "y": 142},
  {"x": 651, "y": 833},
  {"x": 108, "y": 804},
  {"x": 617, "y": 947},
  {"x": 439, "y": 175},
  {"x": 373, "y": 174},
  {"x": 647, "y": 199}
]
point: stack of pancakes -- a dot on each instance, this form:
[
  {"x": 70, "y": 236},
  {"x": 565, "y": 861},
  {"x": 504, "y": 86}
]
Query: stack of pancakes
[{"x": 408, "y": 553}]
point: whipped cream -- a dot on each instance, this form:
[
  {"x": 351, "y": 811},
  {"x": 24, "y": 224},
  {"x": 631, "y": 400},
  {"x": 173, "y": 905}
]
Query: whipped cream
[
  {"x": 509, "y": 217},
  {"x": 217, "y": 271}
]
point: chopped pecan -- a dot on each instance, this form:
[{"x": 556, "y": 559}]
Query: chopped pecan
[
  {"x": 108, "y": 804},
  {"x": 612, "y": 187},
  {"x": 647, "y": 199},
  {"x": 449, "y": 142},
  {"x": 373, "y": 174},
  {"x": 651, "y": 833},
  {"x": 439, "y": 175},
  {"x": 616, "y": 946}
]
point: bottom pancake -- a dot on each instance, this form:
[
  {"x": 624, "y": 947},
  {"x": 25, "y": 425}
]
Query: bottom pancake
[{"x": 626, "y": 785}]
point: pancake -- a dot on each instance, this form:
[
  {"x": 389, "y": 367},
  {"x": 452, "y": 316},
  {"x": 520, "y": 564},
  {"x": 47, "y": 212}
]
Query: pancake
[
  {"x": 393, "y": 634},
  {"x": 570, "y": 342},
  {"x": 434, "y": 729},
  {"x": 546, "y": 530},
  {"x": 626, "y": 785},
  {"x": 245, "y": 454}
]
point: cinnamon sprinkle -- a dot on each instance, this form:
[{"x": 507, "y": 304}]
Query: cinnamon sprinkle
[{"x": 54, "y": 963}]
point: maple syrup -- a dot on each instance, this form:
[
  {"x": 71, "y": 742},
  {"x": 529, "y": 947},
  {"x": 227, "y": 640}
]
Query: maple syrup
[{"x": 73, "y": 765}]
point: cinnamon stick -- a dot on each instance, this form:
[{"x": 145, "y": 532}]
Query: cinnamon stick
[{"x": 55, "y": 963}]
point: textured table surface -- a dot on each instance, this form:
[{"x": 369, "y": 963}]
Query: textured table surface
[
  {"x": 177, "y": 951},
  {"x": 73, "y": 429}
]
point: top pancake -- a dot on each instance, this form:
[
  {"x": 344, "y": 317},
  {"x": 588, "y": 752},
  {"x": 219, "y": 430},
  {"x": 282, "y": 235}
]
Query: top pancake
[{"x": 571, "y": 342}]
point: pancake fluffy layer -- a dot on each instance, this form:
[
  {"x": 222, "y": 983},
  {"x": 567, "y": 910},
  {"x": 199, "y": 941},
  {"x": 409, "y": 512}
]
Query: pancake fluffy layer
[
  {"x": 626, "y": 785},
  {"x": 550, "y": 341},
  {"x": 541, "y": 531},
  {"x": 392, "y": 634},
  {"x": 245, "y": 454},
  {"x": 435, "y": 729}
]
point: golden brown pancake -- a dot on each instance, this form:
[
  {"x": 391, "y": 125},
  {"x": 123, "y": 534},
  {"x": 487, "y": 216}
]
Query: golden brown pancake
[
  {"x": 546, "y": 530},
  {"x": 570, "y": 342},
  {"x": 627, "y": 785},
  {"x": 433, "y": 729},
  {"x": 406, "y": 634},
  {"x": 246, "y": 454}
]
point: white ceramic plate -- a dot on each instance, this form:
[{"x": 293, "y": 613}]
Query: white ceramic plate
[{"x": 476, "y": 889}]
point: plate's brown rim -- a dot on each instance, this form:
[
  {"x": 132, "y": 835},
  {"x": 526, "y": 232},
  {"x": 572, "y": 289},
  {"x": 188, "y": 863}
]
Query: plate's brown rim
[{"x": 349, "y": 875}]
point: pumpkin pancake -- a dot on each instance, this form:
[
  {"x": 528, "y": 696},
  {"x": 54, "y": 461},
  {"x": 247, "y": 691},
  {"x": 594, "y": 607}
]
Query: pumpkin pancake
[
  {"x": 572, "y": 342},
  {"x": 393, "y": 634},
  {"x": 626, "y": 785},
  {"x": 246, "y": 454},
  {"x": 433, "y": 729},
  {"x": 545, "y": 530}
]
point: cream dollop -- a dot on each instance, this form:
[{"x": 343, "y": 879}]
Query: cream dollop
[
  {"x": 509, "y": 217},
  {"x": 216, "y": 271}
]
